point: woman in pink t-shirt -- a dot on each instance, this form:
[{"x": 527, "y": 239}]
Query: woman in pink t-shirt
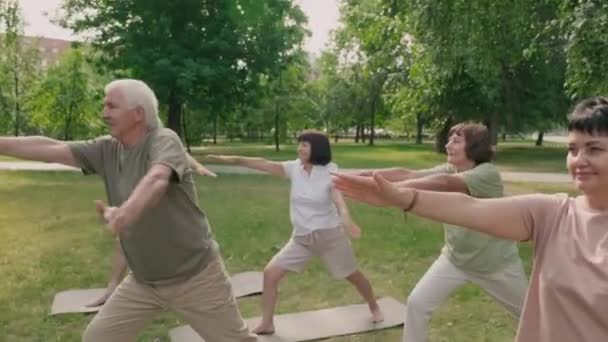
[{"x": 567, "y": 299}]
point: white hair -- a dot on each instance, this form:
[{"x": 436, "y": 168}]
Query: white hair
[{"x": 138, "y": 94}]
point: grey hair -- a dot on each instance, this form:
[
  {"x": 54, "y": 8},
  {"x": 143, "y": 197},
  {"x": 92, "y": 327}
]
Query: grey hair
[{"x": 138, "y": 94}]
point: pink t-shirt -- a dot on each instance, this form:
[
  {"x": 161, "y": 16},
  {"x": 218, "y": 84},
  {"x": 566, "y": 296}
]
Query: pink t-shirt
[{"x": 567, "y": 300}]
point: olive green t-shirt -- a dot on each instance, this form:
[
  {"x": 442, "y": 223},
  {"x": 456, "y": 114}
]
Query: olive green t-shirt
[
  {"x": 468, "y": 249},
  {"x": 171, "y": 241}
]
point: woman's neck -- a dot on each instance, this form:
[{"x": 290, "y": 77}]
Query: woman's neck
[
  {"x": 307, "y": 167},
  {"x": 464, "y": 166},
  {"x": 597, "y": 201}
]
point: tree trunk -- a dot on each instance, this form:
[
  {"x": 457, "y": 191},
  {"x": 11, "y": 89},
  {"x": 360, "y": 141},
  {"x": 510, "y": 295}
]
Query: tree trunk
[
  {"x": 66, "y": 128},
  {"x": 419, "y": 128},
  {"x": 215, "y": 119},
  {"x": 185, "y": 130},
  {"x": 441, "y": 139},
  {"x": 357, "y": 129},
  {"x": 277, "y": 115},
  {"x": 276, "y": 130},
  {"x": 174, "y": 121},
  {"x": 539, "y": 139},
  {"x": 492, "y": 125},
  {"x": 17, "y": 101},
  {"x": 372, "y": 132},
  {"x": 68, "y": 122},
  {"x": 363, "y": 137},
  {"x": 336, "y": 137}
]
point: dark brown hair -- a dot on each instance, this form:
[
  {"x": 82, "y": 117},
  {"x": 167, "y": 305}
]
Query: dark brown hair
[
  {"x": 320, "y": 152},
  {"x": 478, "y": 147},
  {"x": 590, "y": 116}
]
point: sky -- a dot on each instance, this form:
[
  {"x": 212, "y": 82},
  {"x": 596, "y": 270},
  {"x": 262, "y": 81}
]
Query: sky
[{"x": 322, "y": 15}]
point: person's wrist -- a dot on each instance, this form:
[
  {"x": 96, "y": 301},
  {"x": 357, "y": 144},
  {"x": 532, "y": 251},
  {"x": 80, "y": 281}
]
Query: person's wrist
[{"x": 413, "y": 200}]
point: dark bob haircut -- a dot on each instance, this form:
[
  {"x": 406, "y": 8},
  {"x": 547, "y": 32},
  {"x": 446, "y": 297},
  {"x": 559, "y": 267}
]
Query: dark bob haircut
[{"x": 320, "y": 152}]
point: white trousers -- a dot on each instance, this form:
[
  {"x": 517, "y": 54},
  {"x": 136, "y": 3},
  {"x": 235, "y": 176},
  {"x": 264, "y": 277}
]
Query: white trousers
[{"x": 508, "y": 287}]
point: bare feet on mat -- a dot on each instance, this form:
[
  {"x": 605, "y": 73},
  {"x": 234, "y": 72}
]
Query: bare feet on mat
[
  {"x": 264, "y": 329},
  {"x": 377, "y": 316}
]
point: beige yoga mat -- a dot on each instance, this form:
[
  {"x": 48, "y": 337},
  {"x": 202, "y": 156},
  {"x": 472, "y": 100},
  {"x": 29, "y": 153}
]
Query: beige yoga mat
[
  {"x": 318, "y": 324},
  {"x": 75, "y": 301}
]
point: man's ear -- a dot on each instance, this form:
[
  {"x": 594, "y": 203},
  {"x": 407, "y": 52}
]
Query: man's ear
[{"x": 140, "y": 114}]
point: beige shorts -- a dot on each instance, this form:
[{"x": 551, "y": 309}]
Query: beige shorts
[{"x": 331, "y": 245}]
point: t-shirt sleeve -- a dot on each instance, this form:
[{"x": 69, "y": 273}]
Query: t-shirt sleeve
[
  {"x": 436, "y": 170},
  {"x": 483, "y": 181},
  {"x": 539, "y": 213},
  {"x": 332, "y": 167},
  {"x": 89, "y": 154},
  {"x": 167, "y": 149},
  {"x": 288, "y": 167}
]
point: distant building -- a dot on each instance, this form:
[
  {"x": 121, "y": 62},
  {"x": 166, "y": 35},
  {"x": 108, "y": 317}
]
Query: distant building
[{"x": 50, "y": 49}]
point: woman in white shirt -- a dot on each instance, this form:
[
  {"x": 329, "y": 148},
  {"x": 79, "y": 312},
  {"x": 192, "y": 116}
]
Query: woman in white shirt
[{"x": 319, "y": 216}]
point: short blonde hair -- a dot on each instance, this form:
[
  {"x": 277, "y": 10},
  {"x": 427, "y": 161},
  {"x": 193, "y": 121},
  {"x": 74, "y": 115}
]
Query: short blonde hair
[{"x": 138, "y": 94}]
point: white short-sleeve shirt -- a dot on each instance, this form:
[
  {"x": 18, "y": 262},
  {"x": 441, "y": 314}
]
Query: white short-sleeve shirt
[{"x": 310, "y": 203}]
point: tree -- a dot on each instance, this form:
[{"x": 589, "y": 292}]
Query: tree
[
  {"x": 333, "y": 94},
  {"x": 374, "y": 28},
  {"x": 190, "y": 48},
  {"x": 19, "y": 64},
  {"x": 584, "y": 28},
  {"x": 285, "y": 93},
  {"x": 66, "y": 103},
  {"x": 464, "y": 60}
]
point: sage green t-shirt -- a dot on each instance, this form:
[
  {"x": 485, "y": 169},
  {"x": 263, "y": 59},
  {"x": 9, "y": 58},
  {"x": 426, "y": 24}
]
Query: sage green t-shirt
[
  {"x": 468, "y": 249},
  {"x": 171, "y": 241}
]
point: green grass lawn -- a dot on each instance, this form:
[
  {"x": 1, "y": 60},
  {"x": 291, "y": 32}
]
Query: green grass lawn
[{"x": 51, "y": 241}]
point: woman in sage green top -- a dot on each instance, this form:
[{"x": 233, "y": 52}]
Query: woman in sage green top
[{"x": 468, "y": 256}]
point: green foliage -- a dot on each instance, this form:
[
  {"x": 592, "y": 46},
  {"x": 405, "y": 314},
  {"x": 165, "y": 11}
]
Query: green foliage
[
  {"x": 67, "y": 101},
  {"x": 506, "y": 63},
  {"x": 236, "y": 69},
  {"x": 19, "y": 65},
  {"x": 187, "y": 49},
  {"x": 584, "y": 27}
]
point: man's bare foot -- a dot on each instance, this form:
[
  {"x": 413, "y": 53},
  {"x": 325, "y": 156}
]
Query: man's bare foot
[
  {"x": 377, "y": 315},
  {"x": 264, "y": 329}
]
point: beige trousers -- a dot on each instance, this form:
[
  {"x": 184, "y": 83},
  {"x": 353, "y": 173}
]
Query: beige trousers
[
  {"x": 206, "y": 301},
  {"x": 507, "y": 286}
]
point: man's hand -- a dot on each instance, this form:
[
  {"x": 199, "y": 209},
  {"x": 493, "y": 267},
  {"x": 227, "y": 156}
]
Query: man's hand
[
  {"x": 104, "y": 298},
  {"x": 112, "y": 217},
  {"x": 203, "y": 171},
  {"x": 199, "y": 168}
]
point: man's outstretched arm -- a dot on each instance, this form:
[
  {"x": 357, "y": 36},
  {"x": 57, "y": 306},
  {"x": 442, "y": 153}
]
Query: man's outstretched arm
[{"x": 37, "y": 148}]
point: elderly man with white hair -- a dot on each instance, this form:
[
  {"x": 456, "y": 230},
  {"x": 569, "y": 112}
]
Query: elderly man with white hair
[{"x": 174, "y": 262}]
